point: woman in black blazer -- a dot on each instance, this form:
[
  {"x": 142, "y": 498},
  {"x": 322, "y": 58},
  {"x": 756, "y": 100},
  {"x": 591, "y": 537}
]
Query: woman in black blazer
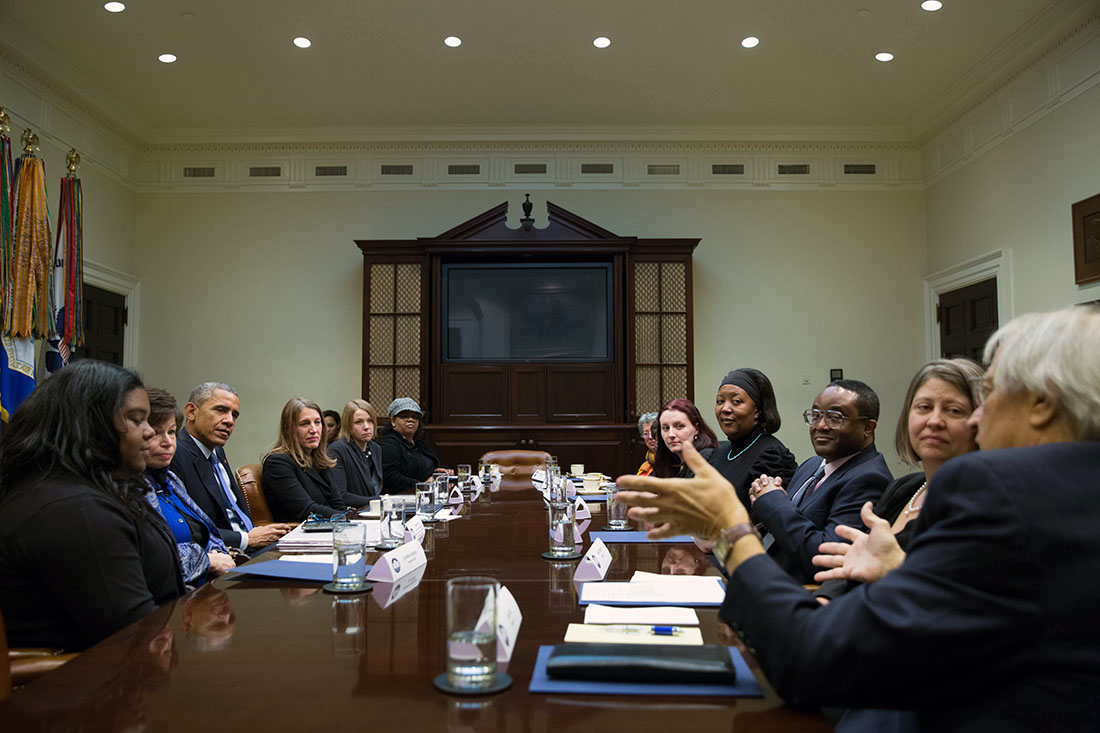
[
  {"x": 358, "y": 458},
  {"x": 296, "y": 475}
]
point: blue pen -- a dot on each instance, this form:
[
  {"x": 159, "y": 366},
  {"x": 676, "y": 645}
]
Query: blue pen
[
  {"x": 644, "y": 629},
  {"x": 666, "y": 630}
]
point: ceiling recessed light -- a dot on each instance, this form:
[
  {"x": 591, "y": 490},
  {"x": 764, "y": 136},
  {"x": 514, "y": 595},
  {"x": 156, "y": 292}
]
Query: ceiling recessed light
[
  {"x": 453, "y": 41},
  {"x": 114, "y": 7},
  {"x": 601, "y": 42},
  {"x": 302, "y": 42},
  {"x": 931, "y": 5},
  {"x": 750, "y": 41},
  {"x": 167, "y": 58},
  {"x": 884, "y": 56}
]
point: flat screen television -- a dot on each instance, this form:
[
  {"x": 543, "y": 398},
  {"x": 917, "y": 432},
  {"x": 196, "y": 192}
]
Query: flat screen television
[{"x": 538, "y": 312}]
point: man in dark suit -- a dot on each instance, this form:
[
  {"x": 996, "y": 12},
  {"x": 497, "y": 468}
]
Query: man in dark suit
[
  {"x": 989, "y": 622},
  {"x": 211, "y": 413},
  {"x": 829, "y": 489}
]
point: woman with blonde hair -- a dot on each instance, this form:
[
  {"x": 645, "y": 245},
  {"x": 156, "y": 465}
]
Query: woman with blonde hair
[
  {"x": 296, "y": 475},
  {"x": 358, "y": 458}
]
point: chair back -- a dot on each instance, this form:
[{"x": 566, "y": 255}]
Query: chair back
[
  {"x": 250, "y": 478},
  {"x": 516, "y": 466}
]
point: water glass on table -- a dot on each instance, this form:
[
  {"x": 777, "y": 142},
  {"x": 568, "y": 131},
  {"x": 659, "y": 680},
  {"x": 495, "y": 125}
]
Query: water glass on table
[
  {"x": 562, "y": 521},
  {"x": 471, "y": 632},
  {"x": 463, "y": 473},
  {"x": 425, "y": 502},
  {"x": 349, "y": 555},
  {"x": 393, "y": 523},
  {"x": 616, "y": 512}
]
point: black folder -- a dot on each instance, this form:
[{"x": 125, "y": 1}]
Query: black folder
[{"x": 641, "y": 663}]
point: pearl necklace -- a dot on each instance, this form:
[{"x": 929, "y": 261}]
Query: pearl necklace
[
  {"x": 909, "y": 508},
  {"x": 731, "y": 457}
]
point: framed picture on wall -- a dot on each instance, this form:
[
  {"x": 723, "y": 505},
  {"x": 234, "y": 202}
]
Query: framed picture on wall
[{"x": 1086, "y": 240}]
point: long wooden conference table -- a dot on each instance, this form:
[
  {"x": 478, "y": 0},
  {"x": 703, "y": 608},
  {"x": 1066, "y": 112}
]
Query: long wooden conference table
[{"x": 242, "y": 654}]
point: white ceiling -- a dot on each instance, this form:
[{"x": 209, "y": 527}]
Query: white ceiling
[{"x": 527, "y": 67}]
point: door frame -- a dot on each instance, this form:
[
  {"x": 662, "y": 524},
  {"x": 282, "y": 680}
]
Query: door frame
[
  {"x": 997, "y": 264},
  {"x": 129, "y": 287}
]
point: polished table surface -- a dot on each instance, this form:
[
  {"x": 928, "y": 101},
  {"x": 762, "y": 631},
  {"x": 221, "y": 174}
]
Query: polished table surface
[{"x": 244, "y": 654}]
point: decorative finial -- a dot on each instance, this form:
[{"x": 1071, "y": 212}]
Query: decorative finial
[
  {"x": 527, "y": 221},
  {"x": 72, "y": 162},
  {"x": 5, "y": 122},
  {"x": 30, "y": 142}
]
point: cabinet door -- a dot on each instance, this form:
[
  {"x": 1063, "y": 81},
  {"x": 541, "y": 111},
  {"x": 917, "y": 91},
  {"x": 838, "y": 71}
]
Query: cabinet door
[{"x": 528, "y": 397}]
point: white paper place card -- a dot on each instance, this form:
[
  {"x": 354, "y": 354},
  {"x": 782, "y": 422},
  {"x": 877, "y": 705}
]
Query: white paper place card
[
  {"x": 578, "y": 538},
  {"x": 595, "y": 563},
  {"x": 414, "y": 530},
  {"x": 398, "y": 562},
  {"x": 581, "y": 527},
  {"x": 508, "y": 620},
  {"x": 386, "y": 594},
  {"x": 664, "y": 615},
  {"x": 582, "y": 511},
  {"x": 455, "y": 496},
  {"x": 494, "y": 483}
]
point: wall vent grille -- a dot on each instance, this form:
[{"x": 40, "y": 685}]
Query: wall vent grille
[
  {"x": 397, "y": 170},
  {"x": 727, "y": 169},
  {"x": 859, "y": 169},
  {"x": 330, "y": 170},
  {"x": 662, "y": 169},
  {"x": 794, "y": 169},
  {"x": 265, "y": 171},
  {"x": 529, "y": 169},
  {"x": 464, "y": 170},
  {"x": 198, "y": 172},
  {"x": 597, "y": 169}
]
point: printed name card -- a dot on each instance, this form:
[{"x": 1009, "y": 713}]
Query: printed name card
[
  {"x": 595, "y": 563},
  {"x": 508, "y": 620},
  {"x": 455, "y": 496},
  {"x": 582, "y": 511},
  {"x": 397, "y": 563},
  {"x": 578, "y": 537},
  {"x": 386, "y": 594},
  {"x": 494, "y": 483},
  {"x": 414, "y": 530},
  {"x": 581, "y": 527}
]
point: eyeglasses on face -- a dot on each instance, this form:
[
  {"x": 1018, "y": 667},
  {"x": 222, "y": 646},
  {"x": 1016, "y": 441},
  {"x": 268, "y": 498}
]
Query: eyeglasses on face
[{"x": 833, "y": 419}]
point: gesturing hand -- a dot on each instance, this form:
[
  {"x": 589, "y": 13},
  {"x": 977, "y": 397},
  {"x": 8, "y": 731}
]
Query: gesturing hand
[
  {"x": 870, "y": 556},
  {"x": 700, "y": 506}
]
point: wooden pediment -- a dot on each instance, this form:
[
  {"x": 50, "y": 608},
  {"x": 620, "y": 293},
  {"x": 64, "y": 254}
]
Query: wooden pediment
[{"x": 492, "y": 225}]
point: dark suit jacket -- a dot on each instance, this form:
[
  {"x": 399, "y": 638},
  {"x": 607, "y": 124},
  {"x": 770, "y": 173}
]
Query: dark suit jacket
[
  {"x": 837, "y": 500},
  {"x": 293, "y": 492},
  {"x": 357, "y": 478},
  {"x": 193, "y": 468},
  {"x": 988, "y": 625}
]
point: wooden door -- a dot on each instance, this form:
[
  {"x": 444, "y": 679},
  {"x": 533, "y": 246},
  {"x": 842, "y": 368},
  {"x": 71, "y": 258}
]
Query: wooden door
[
  {"x": 968, "y": 317},
  {"x": 104, "y": 326}
]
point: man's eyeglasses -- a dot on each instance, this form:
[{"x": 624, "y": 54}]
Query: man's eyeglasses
[
  {"x": 981, "y": 387},
  {"x": 833, "y": 419}
]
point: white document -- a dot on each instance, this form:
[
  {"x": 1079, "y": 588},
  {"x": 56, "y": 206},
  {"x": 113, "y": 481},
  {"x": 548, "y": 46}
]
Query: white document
[
  {"x": 317, "y": 557},
  {"x": 657, "y": 615},
  {"x": 707, "y": 592}
]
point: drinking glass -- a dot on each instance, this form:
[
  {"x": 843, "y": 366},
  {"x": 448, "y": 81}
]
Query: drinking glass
[
  {"x": 616, "y": 512},
  {"x": 463, "y": 471},
  {"x": 562, "y": 522},
  {"x": 349, "y": 625},
  {"x": 393, "y": 523},
  {"x": 349, "y": 556},
  {"x": 472, "y": 631},
  {"x": 485, "y": 470},
  {"x": 425, "y": 501}
]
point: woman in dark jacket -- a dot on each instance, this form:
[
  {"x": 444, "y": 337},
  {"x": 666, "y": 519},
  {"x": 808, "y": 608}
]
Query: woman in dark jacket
[
  {"x": 82, "y": 553},
  {"x": 296, "y": 475},
  {"x": 358, "y": 458},
  {"x": 746, "y": 412},
  {"x": 678, "y": 422},
  {"x": 407, "y": 459}
]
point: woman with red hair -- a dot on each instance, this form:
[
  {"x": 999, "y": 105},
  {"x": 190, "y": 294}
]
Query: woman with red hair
[{"x": 679, "y": 422}]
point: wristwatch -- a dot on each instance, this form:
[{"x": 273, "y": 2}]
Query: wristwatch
[{"x": 728, "y": 537}]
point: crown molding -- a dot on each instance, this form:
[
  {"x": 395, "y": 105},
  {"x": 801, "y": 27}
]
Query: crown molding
[{"x": 1050, "y": 30}]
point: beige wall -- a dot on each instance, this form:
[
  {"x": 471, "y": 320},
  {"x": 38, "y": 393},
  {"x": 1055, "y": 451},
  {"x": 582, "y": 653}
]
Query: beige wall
[
  {"x": 1017, "y": 196},
  {"x": 264, "y": 290}
]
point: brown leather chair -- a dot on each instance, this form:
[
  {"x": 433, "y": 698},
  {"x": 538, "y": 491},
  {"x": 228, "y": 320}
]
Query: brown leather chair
[
  {"x": 20, "y": 666},
  {"x": 516, "y": 466},
  {"x": 250, "y": 478}
]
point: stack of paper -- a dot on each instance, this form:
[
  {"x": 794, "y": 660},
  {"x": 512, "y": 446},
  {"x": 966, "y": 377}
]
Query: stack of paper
[
  {"x": 666, "y": 615},
  {"x": 298, "y": 540},
  {"x": 668, "y": 590}
]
